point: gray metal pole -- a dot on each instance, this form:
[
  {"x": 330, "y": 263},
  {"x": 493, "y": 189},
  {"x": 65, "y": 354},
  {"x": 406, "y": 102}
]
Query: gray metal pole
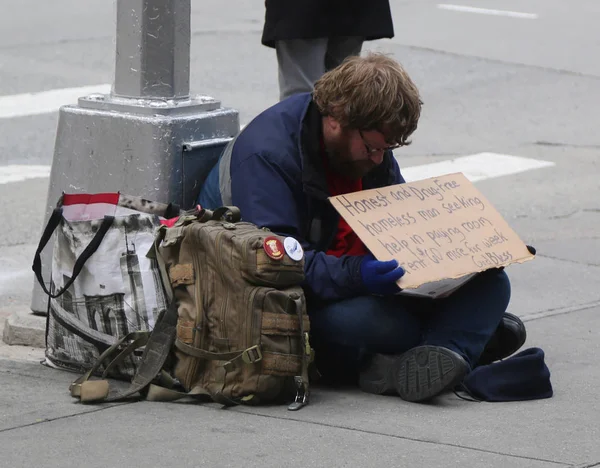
[
  {"x": 148, "y": 137},
  {"x": 153, "y": 49}
]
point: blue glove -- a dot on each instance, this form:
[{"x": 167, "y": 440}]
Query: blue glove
[{"x": 380, "y": 277}]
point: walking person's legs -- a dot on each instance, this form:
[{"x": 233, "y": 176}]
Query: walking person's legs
[
  {"x": 338, "y": 48},
  {"x": 301, "y": 62}
]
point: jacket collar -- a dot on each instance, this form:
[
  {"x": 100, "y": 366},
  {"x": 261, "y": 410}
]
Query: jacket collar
[{"x": 313, "y": 172}]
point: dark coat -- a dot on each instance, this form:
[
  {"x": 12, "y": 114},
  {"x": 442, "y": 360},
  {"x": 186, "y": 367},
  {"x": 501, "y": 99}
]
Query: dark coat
[
  {"x": 310, "y": 19},
  {"x": 276, "y": 178}
]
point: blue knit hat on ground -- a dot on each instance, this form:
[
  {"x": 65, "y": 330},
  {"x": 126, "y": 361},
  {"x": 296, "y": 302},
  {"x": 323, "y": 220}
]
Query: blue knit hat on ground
[{"x": 521, "y": 377}]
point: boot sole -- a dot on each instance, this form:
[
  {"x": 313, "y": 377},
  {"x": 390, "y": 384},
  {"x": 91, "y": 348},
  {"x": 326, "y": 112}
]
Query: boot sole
[{"x": 426, "y": 371}]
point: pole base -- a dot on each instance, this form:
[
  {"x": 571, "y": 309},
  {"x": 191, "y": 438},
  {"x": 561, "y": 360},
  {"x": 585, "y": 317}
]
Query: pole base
[{"x": 162, "y": 153}]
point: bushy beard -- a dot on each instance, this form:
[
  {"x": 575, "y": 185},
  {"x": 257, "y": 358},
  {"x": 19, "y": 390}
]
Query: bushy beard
[{"x": 340, "y": 163}]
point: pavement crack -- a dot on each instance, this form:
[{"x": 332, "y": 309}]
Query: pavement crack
[
  {"x": 442, "y": 155},
  {"x": 568, "y": 260},
  {"x": 412, "y": 439},
  {"x": 559, "y": 311},
  {"x": 560, "y": 71},
  {"x": 573, "y": 213},
  {"x": 64, "y": 41},
  {"x": 16, "y": 244},
  {"x": 28, "y": 375},
  {"x": 565, "y": 145},
  {"x": 77, "y": 40},
  {"x": 58, "y": 418},
  {"x": 225, "y": 32},
  {"x": 564, "y": 216}
]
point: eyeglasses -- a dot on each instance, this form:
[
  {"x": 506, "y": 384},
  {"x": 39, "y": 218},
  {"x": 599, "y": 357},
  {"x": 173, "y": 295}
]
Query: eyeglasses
[{"x": 371, "y": 150}]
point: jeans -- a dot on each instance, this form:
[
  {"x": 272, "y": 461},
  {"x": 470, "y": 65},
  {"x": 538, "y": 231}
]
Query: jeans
[{"x": 342, "y": 331}]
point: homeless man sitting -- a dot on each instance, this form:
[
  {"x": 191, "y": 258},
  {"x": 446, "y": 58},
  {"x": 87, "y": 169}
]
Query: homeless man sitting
[{"x": 280, "y": 170}]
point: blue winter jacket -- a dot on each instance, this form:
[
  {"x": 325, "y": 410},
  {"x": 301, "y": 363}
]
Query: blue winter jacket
[{"x": 273, "y": 171}]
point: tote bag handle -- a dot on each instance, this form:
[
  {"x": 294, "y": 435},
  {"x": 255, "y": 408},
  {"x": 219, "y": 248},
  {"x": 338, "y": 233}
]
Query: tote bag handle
[{"x": 53, "y": 223}]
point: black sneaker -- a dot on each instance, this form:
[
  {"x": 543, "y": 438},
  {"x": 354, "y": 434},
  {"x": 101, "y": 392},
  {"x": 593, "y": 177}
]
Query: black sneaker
[
  {"x": 506, "y": 340},
  {"x": 417, "y": 375},
  {"x": 426, "y": 371}
]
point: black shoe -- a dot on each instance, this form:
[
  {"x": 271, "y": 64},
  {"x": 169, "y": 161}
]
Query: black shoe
[
  {"x": 426, "y": 371},
  {"x": 507, "y": 339},
  {"x": 377, "y": 375},
  {"x": 417, "y": 375}
]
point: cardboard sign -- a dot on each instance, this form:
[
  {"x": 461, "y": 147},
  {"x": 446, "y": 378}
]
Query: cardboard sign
[{"x": 440, "y": 230}]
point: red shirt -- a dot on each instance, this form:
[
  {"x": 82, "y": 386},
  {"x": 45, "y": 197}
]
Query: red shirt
[{"x": 346, "y": 242}]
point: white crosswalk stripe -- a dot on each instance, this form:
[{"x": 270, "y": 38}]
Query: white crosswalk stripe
[
  {"x": 475, "y": 167},
  {"x": 19, "y": 173},
  {"x": 20, "y": 105}
]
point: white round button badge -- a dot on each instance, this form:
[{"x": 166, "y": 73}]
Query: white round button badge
[{"x": 293, "y": 248}]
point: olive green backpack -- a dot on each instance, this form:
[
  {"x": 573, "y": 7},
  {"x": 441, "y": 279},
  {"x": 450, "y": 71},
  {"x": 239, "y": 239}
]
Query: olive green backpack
[{"x": 236, "y": 330}]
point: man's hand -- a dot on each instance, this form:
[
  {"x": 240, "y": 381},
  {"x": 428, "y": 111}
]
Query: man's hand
[{"x": 380, "y": 277}]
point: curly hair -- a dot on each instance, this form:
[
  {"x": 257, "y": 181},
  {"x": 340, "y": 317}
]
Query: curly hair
[{"x": 371, "y": 93}]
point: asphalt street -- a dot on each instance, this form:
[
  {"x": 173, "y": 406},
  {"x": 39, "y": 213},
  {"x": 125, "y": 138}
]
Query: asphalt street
[{"x": 524, "y": 84}]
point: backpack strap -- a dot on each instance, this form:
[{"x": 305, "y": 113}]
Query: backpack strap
[
  {"x": 157, "y": 347},
  {"x": 227, "y": 213},
  {"x": 157, "y": 344},
  {"x": 231, "y": 214},
  {"x": 160, "y": 393},
  {"x": 248, "y": 356},
  {"x": 301, "y": 381}
]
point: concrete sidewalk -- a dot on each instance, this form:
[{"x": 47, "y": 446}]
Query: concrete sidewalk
[{"x": 40, "y": 425}]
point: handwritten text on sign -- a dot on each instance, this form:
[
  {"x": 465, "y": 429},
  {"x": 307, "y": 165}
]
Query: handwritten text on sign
[{"x": 436, "y": 228}]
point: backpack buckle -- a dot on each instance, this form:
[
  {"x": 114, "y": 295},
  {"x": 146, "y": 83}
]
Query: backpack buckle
[
  {"x": 301, "y": 399},
  {"x": 251, "y": 355}
]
